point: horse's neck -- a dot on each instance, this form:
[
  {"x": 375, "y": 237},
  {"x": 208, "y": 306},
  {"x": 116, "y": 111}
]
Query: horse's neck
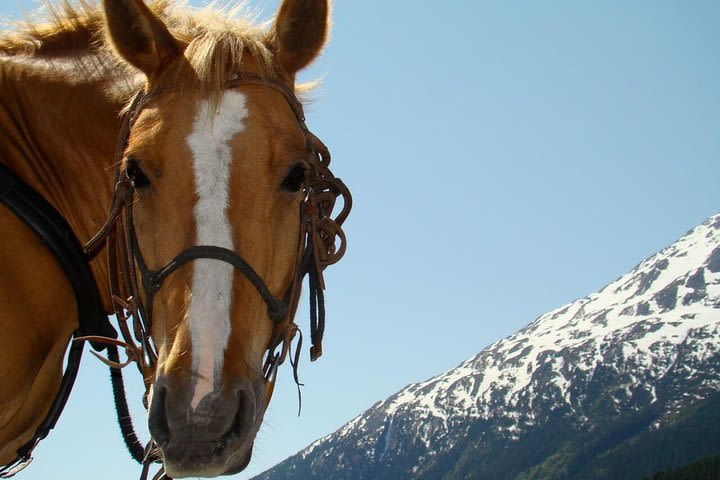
[{"x": 59, "y": 136}]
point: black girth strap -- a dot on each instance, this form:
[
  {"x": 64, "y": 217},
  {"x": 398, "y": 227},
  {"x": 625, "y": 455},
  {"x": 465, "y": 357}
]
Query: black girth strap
[{"x": 59, "y": 238}]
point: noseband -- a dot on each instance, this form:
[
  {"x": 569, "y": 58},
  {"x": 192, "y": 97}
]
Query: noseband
[{"x": 130, "y": 275}]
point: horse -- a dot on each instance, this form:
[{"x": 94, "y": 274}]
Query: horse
[{"x": 172, "y": 140}]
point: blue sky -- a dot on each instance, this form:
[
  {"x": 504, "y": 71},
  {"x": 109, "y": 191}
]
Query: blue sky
[{"x": 505, "y": 158}]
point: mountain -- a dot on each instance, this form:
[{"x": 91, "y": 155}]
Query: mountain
[
  {"x": 705, "y": 469},
  {"x": 620, "y": 384}
]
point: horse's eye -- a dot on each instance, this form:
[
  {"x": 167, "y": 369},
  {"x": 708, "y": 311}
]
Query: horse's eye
[
  {"x": 295, "y": 179},
  {"x": 135, "y": 174}
]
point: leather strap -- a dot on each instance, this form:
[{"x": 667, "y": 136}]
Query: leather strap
[{"x": 56, "y": 234}]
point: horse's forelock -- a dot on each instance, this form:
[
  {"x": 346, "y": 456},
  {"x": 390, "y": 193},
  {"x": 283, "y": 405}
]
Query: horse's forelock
[{"x": 216, "y": 37}]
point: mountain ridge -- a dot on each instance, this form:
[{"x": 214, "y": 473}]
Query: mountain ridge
[{"x": 645, "y": 346}]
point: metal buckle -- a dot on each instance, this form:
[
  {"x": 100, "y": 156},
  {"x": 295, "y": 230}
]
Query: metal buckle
[{"x": 16, "y": 467}]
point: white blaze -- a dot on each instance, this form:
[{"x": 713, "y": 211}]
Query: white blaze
[{"x": 211, "y": 291}]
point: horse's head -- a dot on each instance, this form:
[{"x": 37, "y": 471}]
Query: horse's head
[{"x": 220, "y": 163}]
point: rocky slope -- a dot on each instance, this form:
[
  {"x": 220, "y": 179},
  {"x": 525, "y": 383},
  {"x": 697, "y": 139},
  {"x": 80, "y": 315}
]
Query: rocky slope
[{"x": 581, "y": 392}]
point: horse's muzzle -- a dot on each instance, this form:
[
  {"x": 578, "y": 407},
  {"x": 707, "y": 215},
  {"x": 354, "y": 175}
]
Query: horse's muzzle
[{"x": 216, "y": 437}]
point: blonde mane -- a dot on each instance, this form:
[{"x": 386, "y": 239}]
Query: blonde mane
[{"x": 216, "y": 38}]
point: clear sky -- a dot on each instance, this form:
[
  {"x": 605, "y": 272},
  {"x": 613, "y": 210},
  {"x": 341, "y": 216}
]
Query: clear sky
[{"x": 505, "y": 157}]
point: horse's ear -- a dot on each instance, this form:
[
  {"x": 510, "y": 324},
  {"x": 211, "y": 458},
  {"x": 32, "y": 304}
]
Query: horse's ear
[
  {"x": 299, "y": 33},
  {"x": 139, "y": 36}
]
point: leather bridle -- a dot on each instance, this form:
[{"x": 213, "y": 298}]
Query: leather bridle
[
  {"x": 129, "y": 275},
  {"x": 131, "y": 279}
]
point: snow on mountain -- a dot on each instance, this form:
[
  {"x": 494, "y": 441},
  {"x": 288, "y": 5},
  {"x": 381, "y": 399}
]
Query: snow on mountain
[{"x": 645, "y": 339}]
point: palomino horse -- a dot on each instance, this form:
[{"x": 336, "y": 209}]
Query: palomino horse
[{"x": 219, "y": 206}]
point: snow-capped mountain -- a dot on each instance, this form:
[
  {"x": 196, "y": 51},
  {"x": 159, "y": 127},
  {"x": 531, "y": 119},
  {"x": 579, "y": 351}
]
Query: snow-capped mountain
[{"x": 618, "y": 384}]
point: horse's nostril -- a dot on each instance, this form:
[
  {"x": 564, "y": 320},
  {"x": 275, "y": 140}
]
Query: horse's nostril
[
  {"x": 158, "y": 421},
  {"x": 237, "y": 426},
  {"x": 245, "y": 415}
]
